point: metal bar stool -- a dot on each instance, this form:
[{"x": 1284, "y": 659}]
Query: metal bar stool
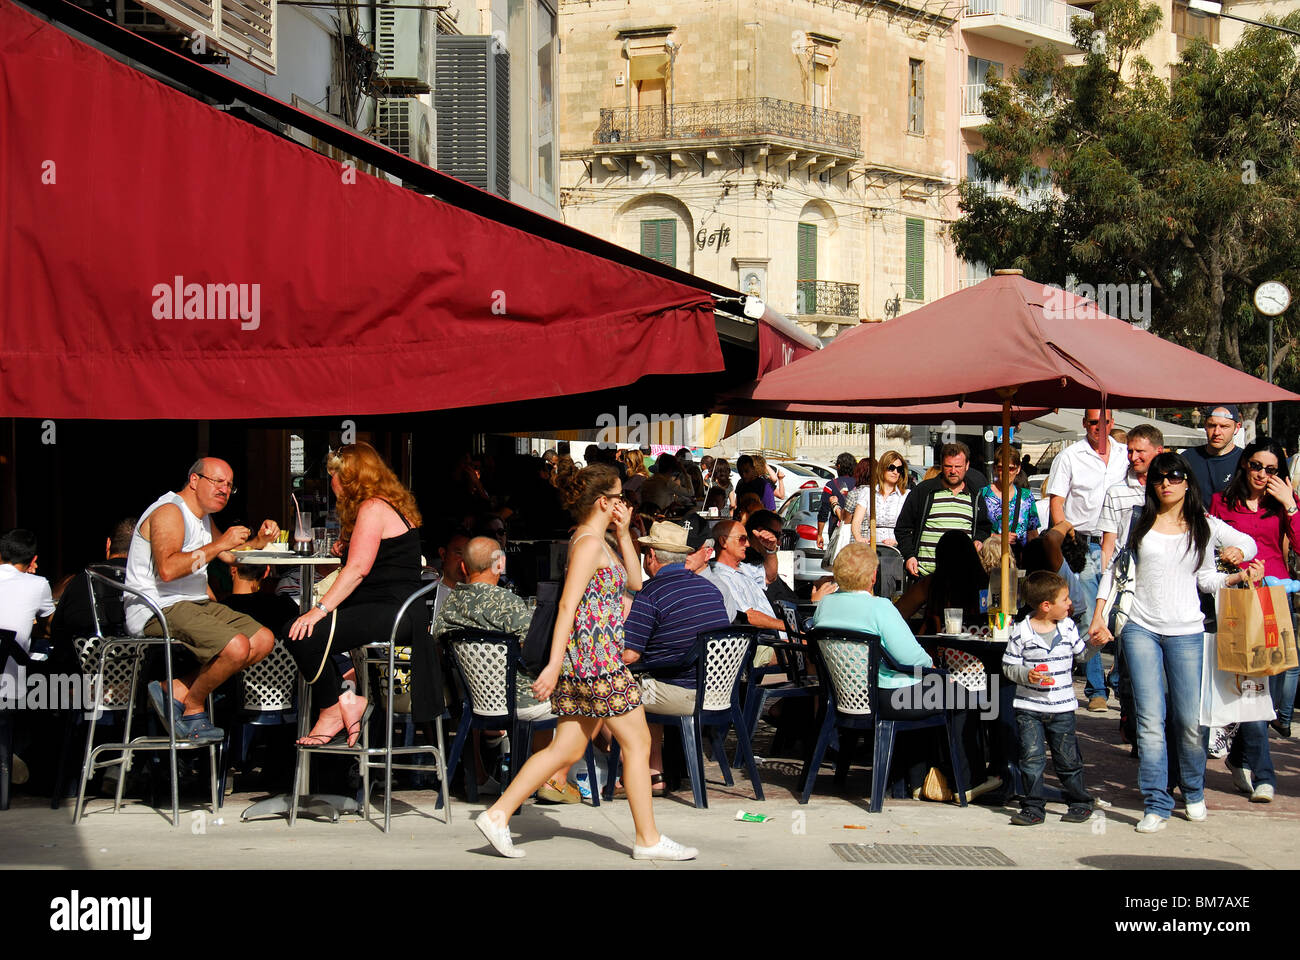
[
  {"x": 384, "y": 654},
  {"x": 123, "y": 655}
]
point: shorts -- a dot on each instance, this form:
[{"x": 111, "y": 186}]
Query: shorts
[
  {"x": 607, "y": 695},
  {"x": 204, "y": 627},
  {"x": 667, "y": 699}
]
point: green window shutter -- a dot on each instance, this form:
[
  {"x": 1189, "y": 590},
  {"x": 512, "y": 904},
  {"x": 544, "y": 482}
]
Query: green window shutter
[
  {"x": 806, "y": 269},
  {"x": 915, "y": 278},
  {"x": 659, "y": 240}
]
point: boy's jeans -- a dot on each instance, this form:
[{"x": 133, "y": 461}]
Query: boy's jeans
[
  {"x": 1154, "y": 662},
  {"x": 1057, "y": 729}
]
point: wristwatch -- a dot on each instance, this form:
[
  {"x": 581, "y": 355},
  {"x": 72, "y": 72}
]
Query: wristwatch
[
  {"x": 1292, "y": 511},
  {"x": 320, "y": 605}
]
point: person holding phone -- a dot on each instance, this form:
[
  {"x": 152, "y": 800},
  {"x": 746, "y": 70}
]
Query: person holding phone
[
  {"x": 585, "y": 677},
  {"x": 1260, "y": 502}
]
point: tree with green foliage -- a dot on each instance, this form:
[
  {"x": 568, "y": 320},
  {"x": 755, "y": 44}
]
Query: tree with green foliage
[{"x": 1191, "y": 186}]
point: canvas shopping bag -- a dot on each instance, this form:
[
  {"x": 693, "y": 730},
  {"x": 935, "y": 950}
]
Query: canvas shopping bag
[
  {"x": 1230, "y": 698},
  {"x": 1255, "y": 637}
]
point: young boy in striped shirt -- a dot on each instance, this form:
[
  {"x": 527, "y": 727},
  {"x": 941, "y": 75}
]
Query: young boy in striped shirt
[{"x": 1039, "y": 659}]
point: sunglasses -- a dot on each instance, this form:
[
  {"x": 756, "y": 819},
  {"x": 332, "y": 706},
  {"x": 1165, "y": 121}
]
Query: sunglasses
[
  {"x": 1173, "y": 476},
  {"x": 894, "y": 468},
  {"x": 1256, "y": 467}
]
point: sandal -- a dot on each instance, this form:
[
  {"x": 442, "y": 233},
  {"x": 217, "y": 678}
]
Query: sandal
[
  {"x": 657, "y": 787},
  {"x": 354, "y": 730},
  {"x": 321, "y": 739}
]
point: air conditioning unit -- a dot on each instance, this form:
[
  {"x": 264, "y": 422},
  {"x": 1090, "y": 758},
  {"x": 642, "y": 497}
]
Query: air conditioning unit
[
  {"x": 406, "y": 125},
  {"x": 472, "y": 96},
  {"x": 404, "y": 41}
]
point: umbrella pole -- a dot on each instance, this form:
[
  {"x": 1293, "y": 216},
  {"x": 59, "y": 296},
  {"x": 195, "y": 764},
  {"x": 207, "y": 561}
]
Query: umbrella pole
[
  {"x": 1004, "y": 457},
  {"x": 871, "y": 452}
]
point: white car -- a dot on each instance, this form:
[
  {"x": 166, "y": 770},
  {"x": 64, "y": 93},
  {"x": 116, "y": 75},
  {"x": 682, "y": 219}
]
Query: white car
[
  {"x": 821, "y": 469},
  {"x": 797, "y": 476}
]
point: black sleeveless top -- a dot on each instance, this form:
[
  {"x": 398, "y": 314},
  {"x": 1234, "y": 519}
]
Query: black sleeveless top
[{"x": 395, "y": 574}]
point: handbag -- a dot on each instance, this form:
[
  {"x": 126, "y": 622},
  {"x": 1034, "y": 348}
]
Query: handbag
[
  {"x": 1230, "y": 698},
  {"x": 936, "y": 787},
  {"x": 537, "y": 642},
  {"x": 1123, "y": 577}
]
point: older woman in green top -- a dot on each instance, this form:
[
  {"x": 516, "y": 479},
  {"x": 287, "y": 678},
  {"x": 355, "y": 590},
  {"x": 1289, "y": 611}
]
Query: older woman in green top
[{"x": 849, "y": 605}]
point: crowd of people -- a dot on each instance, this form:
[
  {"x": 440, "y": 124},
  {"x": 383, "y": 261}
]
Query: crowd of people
[{"x": 659, "y": 551}]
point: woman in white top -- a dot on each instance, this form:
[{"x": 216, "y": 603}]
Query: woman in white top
[
  {"x": 1175, "y": 542},
  {"x": 891, "y": 492}
]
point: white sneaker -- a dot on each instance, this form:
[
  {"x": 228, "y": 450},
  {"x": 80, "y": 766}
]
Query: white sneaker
[
  {"x": 1151, "y": 823},
  {"x": 1262, "y": 793},
  {"x": 1240, "y": 777},
  {"x": 1196, "y": 811},
  {"x": 498, "y": 834},
  {"x": 665, "y": 849}
]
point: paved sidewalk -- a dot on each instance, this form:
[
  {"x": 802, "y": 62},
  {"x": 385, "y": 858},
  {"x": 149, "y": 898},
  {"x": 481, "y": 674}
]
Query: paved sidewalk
[{"x": 1238, "y": 834}]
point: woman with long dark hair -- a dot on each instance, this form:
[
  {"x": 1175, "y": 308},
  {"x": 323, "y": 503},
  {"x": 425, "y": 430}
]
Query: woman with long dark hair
[
  {"x": 585, "y": 676},
  {"x": 1260, "y": 503},
  {"x": 1174, "y": 542}
]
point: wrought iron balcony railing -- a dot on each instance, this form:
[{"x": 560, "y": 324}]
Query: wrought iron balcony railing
[
  {"x": 719, "y": 119},
  {"x": 827, "y": 298}
]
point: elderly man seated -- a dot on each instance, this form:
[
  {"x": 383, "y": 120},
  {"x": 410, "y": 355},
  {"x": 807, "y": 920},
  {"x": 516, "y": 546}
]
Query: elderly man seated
[
  {"x": 478, "y": 602},
  {"x": 669, "y": 612}
]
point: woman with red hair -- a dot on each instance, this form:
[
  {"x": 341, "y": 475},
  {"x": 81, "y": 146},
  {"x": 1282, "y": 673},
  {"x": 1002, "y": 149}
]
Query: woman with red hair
[{"x": 380, "y": 547}]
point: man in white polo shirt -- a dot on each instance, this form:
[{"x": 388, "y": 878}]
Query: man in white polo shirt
[
  {"x": 24, "y": 597},
  {"x": 1076, "y": 487}
]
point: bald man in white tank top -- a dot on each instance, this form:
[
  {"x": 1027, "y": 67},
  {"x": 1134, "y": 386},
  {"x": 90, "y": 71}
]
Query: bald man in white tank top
[{"x": 174, "y": 542}]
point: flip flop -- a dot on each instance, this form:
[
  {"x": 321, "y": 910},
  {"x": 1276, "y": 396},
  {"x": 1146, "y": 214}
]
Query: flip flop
[
  {"x": 322, "y": 739},
  {"x": 354, "y": 731},
  {"x": 158, "y": 700}
]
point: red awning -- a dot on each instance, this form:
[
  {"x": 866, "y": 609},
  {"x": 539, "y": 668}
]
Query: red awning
[{"x": 161, "y": 259}]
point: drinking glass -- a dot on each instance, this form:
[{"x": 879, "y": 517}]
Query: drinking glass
[{"x": 952, "y": 619}]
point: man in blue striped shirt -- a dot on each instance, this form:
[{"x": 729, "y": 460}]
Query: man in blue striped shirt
[{"x": 671, "y": 609}]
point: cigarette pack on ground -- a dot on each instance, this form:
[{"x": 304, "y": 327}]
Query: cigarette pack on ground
[{"x": 752, "y": 817}]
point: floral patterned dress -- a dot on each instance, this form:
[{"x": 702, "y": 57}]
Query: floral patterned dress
[{"x": 594, "y": 682}]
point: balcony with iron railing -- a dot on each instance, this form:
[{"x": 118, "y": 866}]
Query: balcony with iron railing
[
  {"x": 826, "y": 298},
  {"x": 1023, "y": 21},
  {"x": 730, "y": 123}
]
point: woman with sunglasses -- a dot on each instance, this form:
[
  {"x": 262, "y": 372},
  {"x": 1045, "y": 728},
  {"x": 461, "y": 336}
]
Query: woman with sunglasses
[
  {"x": 1174, "y": 542},
  {"x": 1023, "y": 520},
  {"x": 1260, "y": 502},
  {"x": 585, "y": 677},
  {"x": 891, "y": 494}
]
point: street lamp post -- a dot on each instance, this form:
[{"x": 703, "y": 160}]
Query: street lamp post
[{"x": 1208, "y": 8}]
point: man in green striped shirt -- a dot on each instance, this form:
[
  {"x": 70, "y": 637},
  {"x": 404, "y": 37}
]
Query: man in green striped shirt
[{"x": 936, "y": 506}]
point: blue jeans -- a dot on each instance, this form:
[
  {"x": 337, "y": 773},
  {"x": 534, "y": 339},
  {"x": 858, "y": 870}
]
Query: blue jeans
[
  {"x": 1094, "y": 673},
  {"x": 1250, "y": 750},
  {"x": 1039, "y": 731},
  {"x": 1155, "y": 662}
]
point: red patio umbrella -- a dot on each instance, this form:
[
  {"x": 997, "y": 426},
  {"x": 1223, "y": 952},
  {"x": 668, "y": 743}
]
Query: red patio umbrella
[{"x": 1009, "y": 337}]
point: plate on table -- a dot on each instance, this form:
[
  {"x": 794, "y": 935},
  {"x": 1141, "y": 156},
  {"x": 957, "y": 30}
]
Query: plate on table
[{"x": 950, "y": 636}]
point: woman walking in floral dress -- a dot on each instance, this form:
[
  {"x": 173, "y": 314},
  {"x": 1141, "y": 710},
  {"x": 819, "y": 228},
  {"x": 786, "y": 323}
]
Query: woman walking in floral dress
[{"x": 585, "y": 676}]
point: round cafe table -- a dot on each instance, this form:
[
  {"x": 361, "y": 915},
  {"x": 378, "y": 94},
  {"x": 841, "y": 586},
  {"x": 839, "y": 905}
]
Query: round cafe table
[{"x": 328, "y": 805}]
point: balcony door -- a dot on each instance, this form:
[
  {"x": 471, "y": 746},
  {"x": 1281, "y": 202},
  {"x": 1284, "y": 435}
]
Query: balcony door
[{"x": 806, "y": 270}]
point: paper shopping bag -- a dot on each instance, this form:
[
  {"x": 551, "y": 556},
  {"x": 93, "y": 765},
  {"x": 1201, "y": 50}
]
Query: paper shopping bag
[{"x": 1255, "y": 635}]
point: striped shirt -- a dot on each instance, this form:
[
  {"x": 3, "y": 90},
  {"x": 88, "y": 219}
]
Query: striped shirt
[
  {"x": 668, "y": 613},
  {"x": 948, "y": 511},
  {"x": 1117, "y": 508},
  {"x": 1058, "y": 650}
]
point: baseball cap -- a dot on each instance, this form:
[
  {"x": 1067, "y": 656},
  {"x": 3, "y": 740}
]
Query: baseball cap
[
  {"x": 1226, "y": 410},
  {"x": 698, "y": 530}
]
